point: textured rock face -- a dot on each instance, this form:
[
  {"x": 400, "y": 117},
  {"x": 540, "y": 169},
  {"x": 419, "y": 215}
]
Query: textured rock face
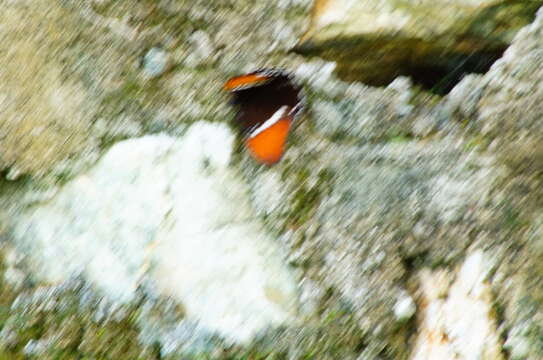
[
  {"x": 359, "y": 216},
  {"x": 389, "y": 203},
  {"x": 422, "y": 19},
  {"x": 385, "y": 197},
  {"x": 511, "y": 87},
  {"x": 503, "y": 112},
  {"x": 375, "y": 41},
  {"x": 44, "y": 117}
]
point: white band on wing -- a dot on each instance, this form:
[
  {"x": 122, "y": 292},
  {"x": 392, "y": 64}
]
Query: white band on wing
[{"x": 272, "y": 120}]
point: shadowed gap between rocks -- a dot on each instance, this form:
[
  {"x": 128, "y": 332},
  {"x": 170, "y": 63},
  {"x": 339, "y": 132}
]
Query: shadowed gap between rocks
[
  {"x": 437, "y": 62},
  {"x": 439, "y": 75}
]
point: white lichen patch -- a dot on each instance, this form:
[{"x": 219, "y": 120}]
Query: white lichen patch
[
  {"x": 458, "y": 324},
  {"x": 171, "y": 215}
]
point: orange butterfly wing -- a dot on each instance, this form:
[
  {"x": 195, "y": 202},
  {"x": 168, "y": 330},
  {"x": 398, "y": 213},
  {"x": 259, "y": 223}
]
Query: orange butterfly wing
[{"x": 268, "y": 146}]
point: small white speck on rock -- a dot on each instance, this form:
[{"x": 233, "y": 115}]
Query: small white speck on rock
[
  {"x": 405, "y": 307},
  {"x": 518, "y": 347},
  {"x": 13, "y": 174},
  {"x": 155, "y": 62}
]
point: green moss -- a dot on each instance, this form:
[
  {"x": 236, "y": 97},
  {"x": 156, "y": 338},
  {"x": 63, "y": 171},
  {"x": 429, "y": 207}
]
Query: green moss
[
  {"x": 8, "y": 355},
  {"x": 134, "y": 93},
  {"x": 477, "y": 143},
  {"x": 400, "y": 138},
  {"x": 512, "y": 219},
  {"x": 306, "y": 198}
]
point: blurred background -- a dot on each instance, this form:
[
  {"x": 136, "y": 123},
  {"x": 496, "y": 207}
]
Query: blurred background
[{"x": 404, "y": 220}]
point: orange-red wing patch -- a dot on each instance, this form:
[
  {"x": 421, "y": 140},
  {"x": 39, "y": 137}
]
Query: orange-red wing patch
[
  {"x": 244, "y": 81},
  {"x": 268, "y": 146}
]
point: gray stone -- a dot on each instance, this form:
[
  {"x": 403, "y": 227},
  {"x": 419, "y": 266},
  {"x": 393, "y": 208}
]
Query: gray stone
[
  {"x": 155, "y": 62},
  {"x": 377, "y": 188},
  {"x": 375, "y": 41}
]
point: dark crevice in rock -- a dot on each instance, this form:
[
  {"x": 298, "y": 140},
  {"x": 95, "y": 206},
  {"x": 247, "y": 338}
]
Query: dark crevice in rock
[
  {"x": 438, "y": 75},
  {"x": 414, "y": 262},
  {"x": 9, "y": 177},
  {"x": 440, "y": 78},
  {"x": 435, "y": 58}
]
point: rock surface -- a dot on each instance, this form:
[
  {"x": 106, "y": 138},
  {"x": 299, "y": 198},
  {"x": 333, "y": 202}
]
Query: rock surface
[
  {"x": 385, "y": 195},
  {"x": 502, "y": 112},
  {"x": 45, "y": 115},
  {"x": 375, "y": 41}
]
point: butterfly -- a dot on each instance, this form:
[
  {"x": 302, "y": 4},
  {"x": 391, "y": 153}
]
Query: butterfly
[{"x": 268, "y": 102}]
